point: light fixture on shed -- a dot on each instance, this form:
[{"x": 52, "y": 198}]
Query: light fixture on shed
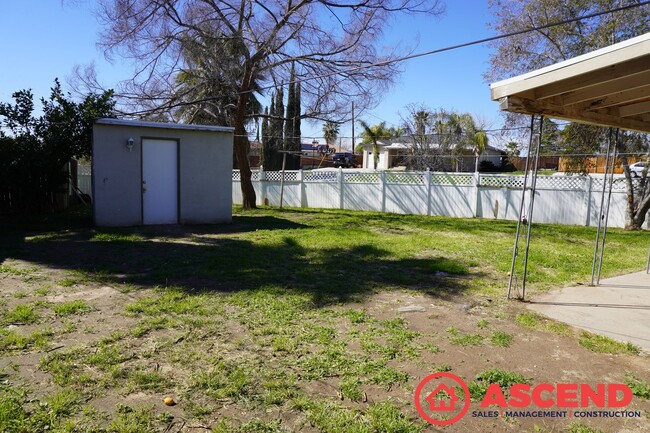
[{"x": 129, "y": 144}]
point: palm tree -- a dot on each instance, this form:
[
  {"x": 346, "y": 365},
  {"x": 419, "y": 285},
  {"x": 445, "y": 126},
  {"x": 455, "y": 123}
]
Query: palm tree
[
  {"x": 330, "y": 132},
  {"x": 480, "y": 140},
  {"x": 209, "y": 80},
  {"x": 373, "y": 134}
]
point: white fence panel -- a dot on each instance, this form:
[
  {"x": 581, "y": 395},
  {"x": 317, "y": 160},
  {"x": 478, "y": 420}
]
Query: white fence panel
[
  {"x": 291, "y": 195},
  {"x": 573, "y": 200},
  {"x": 324, "y": 195},
  {"x": 452, "y": 200},
  {"x": 407, "y": 199},
  {"x": 362, "y": 196}
]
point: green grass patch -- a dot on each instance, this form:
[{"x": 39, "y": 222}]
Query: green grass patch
[
  {"x": 535, "y": 321},
  {"x": 582, "y": 428},
  {"x": 12, "y": 340},
  {"x": 12, "y": 270},
  {"x": 501, "y": 339},
  {"x": 504, "y": 378},
  {"x": 22, "y": 314},
  {"x": 117, "y": 237},
  {"x": 639, "y": 387},
  {"x": 604, "y": 344},
  {"x": 381, "y": 417},
  {"x": 70, "y": 308}
]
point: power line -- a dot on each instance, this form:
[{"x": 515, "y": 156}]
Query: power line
[{"x": 417, "y": 55}]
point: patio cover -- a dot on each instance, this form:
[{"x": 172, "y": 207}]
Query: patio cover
[{"x": 608, "y": 87}]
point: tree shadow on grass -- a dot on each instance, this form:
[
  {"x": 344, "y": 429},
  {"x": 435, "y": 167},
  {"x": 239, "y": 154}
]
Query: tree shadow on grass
[{"x": 212, "y": 258}]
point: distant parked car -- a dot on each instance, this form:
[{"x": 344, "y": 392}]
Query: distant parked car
[
  {"x": 344, "y": 159},
  {"x": 637, "y": 168}
]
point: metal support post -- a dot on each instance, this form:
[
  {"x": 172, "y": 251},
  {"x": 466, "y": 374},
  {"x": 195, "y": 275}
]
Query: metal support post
[
  {"x": 609, "y": 200},
  {"x": 532, "y": 203},
  {"x": 600, "y": 210},
  {"x": 515, "y": 249}
]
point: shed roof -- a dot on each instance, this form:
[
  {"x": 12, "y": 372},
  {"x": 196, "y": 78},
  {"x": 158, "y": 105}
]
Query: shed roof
[
  {"x": 145, "y": 124},
  {"x": 609, "y": 87}
]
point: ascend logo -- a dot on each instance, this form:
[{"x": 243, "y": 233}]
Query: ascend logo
[
  {"x": 444, "y": 398},
  {"x": 437, "y": 395},
  {"x": 562, "y": 395}
]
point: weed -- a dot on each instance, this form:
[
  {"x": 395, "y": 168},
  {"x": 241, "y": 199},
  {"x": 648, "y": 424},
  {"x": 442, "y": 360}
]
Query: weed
[
  {"x": 68, "y": 282},
  {"x": 43, "y": 290},
  {"x": 224, "y": 380},
  {"x": 504, "y": 378},
  {"x": 131, "y": 420},
  {"x": 12, "y": 340},
  {"x": 581, "y": 428},
  {"x": 639, "y": 387},
  {"x": 328, "y": 417},
  {"x": 148, "y": 380},
  {"x": 529, "y": 320},
  {"x": 501, "y": 339},
  {"x": 482, "y": 324},
  {"x": 20, "y": 294},
  {"x": 70, "y": 308},
  {"x": 357, "y": 316},
  {"x": 12, "y": 270},
  {"x": 467, "y": 340},
  {"x": 603, "y": 344},
  {"x": 349, "y": 388},
  {"x": 22, "y": 314},
  {"x": 535, "y": 321}
]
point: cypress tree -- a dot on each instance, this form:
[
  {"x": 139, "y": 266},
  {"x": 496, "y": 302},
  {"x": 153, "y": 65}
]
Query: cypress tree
[
  {"x": 265, "y": 137},
  {"x": 296, "y": 123},
  {"x": 292, "y": 127}
]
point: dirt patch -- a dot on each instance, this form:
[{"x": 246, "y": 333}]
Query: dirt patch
[{"x": 269, "y": 356}]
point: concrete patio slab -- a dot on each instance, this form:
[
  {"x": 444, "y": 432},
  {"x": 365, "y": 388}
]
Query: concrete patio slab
[{"x": 619, "y": 308}]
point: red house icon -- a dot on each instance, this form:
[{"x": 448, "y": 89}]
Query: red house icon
[{"x": 443, "y": 398}]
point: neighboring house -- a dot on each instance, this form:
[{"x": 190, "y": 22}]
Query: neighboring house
[
  {"x": 443, "y": 398},
  {"x": 393, "y": 154},
  {"x": 315, "y": 155}
]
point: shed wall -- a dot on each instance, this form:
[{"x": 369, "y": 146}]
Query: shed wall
[{"x": 205, "y": 170}]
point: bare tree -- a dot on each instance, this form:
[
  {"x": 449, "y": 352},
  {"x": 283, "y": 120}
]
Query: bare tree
[
  {"x": 528, "y": 51},
  {"x": 331, "y": 42}
]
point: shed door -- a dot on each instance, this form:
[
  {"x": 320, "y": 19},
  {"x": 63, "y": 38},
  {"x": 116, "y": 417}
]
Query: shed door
[{"x": 159, "y": 181}]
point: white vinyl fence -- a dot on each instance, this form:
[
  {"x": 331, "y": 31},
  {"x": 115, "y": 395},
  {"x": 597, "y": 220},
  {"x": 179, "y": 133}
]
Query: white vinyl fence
[{"x": 572, "y": 200}]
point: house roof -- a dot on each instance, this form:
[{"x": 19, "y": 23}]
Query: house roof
[{"x": 608, "y": 87}]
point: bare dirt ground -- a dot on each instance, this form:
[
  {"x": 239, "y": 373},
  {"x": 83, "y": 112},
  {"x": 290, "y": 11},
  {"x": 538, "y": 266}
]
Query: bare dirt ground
[{"x": 168, "y": 355}]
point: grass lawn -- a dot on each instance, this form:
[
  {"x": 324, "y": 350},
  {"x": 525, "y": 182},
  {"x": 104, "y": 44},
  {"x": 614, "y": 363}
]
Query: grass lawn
[{"x": 289, "y": 321}]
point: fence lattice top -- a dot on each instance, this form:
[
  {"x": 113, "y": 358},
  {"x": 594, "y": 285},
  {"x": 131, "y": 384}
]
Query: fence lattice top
[{"x": 567, "y": 183}]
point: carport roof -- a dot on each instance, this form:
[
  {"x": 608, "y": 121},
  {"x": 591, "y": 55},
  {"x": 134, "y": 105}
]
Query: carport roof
[{"x": 608, "y": 87}]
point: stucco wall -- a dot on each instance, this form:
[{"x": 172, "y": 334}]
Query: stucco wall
[{"x": 205, "y": 167}]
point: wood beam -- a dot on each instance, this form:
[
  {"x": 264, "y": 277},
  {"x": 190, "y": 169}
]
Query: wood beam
[
  {"x": 587, "y": 73},
  {"x": 612, "y": 74},
  {"x": 528, "y": 106},
  {"x": 631, "y": 83},
  {"x": 637, "y": 94},
  {"x": 635, "y": 109}
]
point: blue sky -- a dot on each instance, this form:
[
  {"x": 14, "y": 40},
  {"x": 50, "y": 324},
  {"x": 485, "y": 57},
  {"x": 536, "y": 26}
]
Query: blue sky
[{"x": 44, "y": 39}]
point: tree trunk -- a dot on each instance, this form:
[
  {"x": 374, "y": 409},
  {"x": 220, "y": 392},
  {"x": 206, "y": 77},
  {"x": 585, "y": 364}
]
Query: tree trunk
[
  {"x": 241, "y": 143},
  {"x": 637, "y": 207}
]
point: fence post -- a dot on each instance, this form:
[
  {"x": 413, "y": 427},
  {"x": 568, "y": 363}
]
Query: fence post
[
  {"x": 301, "y": 184},
  {"x": 262, "y": 182},
  {"x": 587, "y": 205},
  {"x": 340, "y": 187},
  {"x": 382, "y": 179},
  {"x": 427, "y": 183},
  {"x": 476, "y": 181}
]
